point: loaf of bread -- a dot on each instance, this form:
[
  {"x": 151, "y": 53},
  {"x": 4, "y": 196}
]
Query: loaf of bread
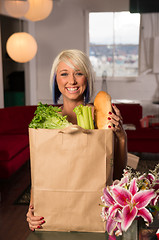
[{"x": 102, "y": 107}]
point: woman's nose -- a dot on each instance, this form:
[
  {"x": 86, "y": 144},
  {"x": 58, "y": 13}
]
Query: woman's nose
[{"x": 72, "y": 79}]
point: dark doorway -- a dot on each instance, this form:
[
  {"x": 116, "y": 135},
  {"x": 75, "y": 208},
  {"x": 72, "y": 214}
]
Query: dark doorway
[{"x": 13, "y": 72}]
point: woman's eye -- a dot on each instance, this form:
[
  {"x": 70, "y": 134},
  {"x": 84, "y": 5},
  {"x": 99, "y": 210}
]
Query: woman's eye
[
  {"x": 79, "y": 74},
  {"x": 64, "y": 74}
]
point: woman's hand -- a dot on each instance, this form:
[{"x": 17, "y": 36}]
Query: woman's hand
[
  {"x": 117, "y": 121},
  {"x": 35, "y": 222}
]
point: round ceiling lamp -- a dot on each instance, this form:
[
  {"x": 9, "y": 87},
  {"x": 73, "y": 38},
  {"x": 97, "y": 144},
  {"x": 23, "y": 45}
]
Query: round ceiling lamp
[
  {"x": 16, "y": 8},
  {"x": 21, "y": 47},
  {"x": 39, "y": 9}
]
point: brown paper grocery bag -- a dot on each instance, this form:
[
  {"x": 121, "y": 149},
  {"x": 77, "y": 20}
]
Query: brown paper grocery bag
[{"x": 69, "y": 169}]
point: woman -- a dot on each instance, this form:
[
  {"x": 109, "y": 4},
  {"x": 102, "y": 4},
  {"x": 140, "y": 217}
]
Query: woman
[{"x": 72, "y": 77}]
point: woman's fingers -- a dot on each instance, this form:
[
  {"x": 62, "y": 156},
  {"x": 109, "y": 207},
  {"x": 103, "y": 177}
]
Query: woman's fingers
[
  {"x": 35, "y": 222},
  {"x": 35, "y": 225},
  {"x": 117, "y": 112},
  {"x": 116, "y": 119}
]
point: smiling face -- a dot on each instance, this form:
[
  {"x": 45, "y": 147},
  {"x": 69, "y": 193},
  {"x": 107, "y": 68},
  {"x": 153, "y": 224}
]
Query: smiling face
[{"x": 71, "y": 82}]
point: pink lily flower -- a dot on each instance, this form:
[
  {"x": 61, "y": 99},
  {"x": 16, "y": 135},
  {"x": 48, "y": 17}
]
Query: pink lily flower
[
  {"x": 108, "y": 198},
  {"x": 150, "y": 177},
  {"x": 114, "y": 223},
  {"x": 124, "y": 181},
  {"x": 133, "y": 203},
  {"x": 111, "y": 213},
  {"x": 153, "y": 183},
  {"x": 111, "y": 204},
  {"x": 112, "y": 237},
  {"x": 155, "y": 200}
]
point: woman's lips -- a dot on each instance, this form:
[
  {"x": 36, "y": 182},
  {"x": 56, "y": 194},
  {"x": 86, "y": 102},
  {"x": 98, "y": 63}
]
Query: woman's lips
[{"x": 72, "y": 89}]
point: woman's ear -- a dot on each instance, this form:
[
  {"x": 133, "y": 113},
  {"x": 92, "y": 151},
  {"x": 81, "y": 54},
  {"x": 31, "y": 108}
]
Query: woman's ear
[{"x": 55, "y": 90}]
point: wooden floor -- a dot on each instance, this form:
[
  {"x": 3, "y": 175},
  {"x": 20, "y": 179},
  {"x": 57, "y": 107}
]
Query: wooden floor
[{"x": 13, "y": 225}]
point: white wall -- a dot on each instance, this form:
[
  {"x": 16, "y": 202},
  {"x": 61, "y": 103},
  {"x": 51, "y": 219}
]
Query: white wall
[{"x": 64, "y": 29}]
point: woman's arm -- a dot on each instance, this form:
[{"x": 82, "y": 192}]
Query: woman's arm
[
  {"x": 120, "y": 154},
  {"x": 120, "y": 143}
]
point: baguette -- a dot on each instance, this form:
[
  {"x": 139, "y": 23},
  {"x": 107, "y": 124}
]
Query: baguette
[{"x": 102, "y": 107}]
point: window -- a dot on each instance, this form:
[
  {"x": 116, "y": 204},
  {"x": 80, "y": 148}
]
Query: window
[{"x": 113, "y": 43}]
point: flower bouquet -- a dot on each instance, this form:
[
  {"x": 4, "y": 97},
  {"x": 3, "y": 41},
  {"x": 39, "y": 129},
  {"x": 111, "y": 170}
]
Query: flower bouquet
[{"x": 135, "y": 195}]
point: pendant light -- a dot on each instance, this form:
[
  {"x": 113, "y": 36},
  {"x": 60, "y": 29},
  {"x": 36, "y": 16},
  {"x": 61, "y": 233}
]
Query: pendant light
[
  {"x": 39, "y": 9},
  {"x": 21, "y": 47},
  {"x": 16, "y": 8}
]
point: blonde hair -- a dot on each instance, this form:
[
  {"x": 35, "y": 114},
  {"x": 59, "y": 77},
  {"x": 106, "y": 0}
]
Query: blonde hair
[{"x": 80, "y": 60}]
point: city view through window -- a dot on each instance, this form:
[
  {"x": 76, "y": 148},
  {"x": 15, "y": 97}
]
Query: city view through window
[{"x": 114, "y": 43}]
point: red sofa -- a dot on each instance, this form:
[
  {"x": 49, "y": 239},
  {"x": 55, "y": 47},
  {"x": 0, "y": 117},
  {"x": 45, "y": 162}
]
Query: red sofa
[
  {"x": 14, "y": 140},
  {"x": 141, "y": 139}
]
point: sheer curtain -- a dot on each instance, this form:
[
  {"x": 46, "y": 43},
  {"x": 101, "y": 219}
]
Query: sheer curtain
[{"x": 149, "y": 44}]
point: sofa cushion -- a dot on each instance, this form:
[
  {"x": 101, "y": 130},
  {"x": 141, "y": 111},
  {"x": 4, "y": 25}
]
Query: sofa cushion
[
  {"x": 11, "y": 145},
  {"x": 16, "y": 119},
  {"x": 7, "y": 168},
  {"x": 19, "y": 131},
  {"x": 143, "y": 133},
  {"x": 131, "y": 113}
]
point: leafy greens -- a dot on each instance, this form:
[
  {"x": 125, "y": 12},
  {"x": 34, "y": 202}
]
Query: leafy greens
[{"x": 49, "y": 117}]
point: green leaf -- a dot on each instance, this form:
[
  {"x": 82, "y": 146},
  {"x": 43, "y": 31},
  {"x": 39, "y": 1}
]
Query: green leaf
[{"x": 47, "y": 116}]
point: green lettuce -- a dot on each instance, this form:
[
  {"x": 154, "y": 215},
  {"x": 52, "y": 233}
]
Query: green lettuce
[
  {"x": 48, "y": 117},
  {"x": 84, "y": 116}
]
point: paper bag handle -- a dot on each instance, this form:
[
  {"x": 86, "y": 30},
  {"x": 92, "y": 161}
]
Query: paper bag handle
[{"x": 74, "y": 129}]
